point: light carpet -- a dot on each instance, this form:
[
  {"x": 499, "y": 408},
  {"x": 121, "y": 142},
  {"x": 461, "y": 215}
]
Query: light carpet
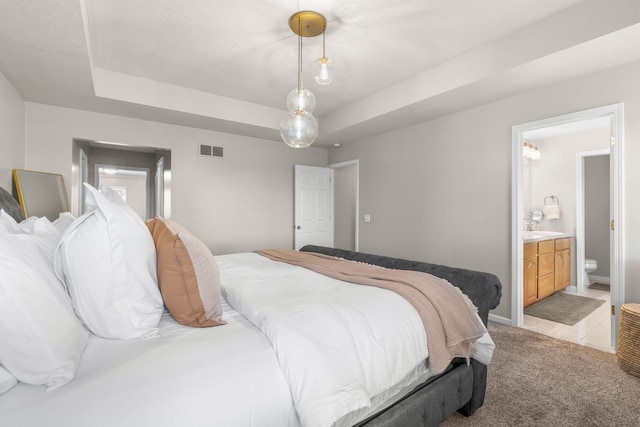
[{"x": 535, "y": 380}]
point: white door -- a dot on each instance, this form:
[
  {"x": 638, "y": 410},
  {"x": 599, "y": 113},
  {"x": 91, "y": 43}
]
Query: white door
[{"x": 313, "y": 206}]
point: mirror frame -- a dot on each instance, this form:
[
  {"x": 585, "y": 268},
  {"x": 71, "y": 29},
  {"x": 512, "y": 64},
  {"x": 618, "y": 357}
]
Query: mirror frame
[
  {"x": 26, "y": 181},
  {"x": 536, "y": 215}
]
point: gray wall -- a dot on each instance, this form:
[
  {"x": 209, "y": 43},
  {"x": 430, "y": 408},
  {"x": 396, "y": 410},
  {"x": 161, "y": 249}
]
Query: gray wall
[
  {"x": 106, "y": 156},
  {"x": 597, "y": 216},
  {"x": 440, "y": 191},
  {"x": 239, "y": 203},
  {"x": 345, "y": 194},
  {"x": 437, "y": 191},
  {"x": 11, "y": 132},
  {"x": 555, "y": 174}
]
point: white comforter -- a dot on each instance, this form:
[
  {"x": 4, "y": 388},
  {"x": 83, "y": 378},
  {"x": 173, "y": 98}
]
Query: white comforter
[
  {"x": 368, "y": 349},
  {"x": 338, "y": 344},
  {"x": 204, "y": 377}
]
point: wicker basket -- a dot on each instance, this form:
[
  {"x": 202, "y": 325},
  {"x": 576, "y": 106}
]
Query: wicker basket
[{"x": 629, "y": 339}]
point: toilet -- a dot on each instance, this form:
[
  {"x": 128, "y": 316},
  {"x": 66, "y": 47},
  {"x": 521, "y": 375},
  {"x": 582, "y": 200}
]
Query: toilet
[{"x": 589, "y": 266}]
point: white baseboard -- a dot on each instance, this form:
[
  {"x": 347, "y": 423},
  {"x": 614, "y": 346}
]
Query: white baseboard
[
  {"x": 499, "y": 319},
  {"x": 601, "y": 279}
]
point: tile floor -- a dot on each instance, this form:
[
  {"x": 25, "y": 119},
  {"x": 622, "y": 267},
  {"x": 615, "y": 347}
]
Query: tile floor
[{"x": 592, "y": 331}]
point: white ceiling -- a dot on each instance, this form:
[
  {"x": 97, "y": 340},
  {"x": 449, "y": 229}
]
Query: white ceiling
[{"x": 229, "y": 65}]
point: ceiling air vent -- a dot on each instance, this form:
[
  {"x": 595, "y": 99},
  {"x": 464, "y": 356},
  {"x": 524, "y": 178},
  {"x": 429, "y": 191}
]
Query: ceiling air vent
[{"x": 210, "y": 151}]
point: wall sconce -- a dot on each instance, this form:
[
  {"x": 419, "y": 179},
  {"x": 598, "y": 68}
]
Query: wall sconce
[{"x": 530, "y": 151}]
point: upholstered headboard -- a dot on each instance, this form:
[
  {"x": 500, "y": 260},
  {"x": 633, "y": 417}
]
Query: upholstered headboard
[
  {"x": 10, "y": 205},
  {"x": 484, "y": 289}
]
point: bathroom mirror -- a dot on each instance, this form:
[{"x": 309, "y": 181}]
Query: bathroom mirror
[
  {"x": 536, "y": 215},
  {"x": 41, "y": 193}
]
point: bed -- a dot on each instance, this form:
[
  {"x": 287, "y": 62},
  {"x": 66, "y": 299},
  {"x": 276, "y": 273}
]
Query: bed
[{"x": 251, "y": 350}]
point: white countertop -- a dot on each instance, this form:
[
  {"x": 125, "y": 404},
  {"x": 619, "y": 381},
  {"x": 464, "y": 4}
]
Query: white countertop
[{"x": 536, "y": 236}]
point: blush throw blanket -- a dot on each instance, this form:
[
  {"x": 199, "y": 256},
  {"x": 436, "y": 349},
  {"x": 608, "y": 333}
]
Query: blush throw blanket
[{"x": 450, "y": 319}]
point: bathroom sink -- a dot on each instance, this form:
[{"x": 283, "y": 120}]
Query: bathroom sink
[{"x": 531, "y": 235}]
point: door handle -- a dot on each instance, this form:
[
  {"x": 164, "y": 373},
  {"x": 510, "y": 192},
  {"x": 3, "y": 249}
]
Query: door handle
[{"x": 298, "y": 227}]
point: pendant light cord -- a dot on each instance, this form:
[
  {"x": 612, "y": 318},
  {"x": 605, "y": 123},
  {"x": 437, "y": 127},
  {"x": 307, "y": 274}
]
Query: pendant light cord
[
  {"x": 299, "y": 55},
  {"x": 324, "y": 33}
]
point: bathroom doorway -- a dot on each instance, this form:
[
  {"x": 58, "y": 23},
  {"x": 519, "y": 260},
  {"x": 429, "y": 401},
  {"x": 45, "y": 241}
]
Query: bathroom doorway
[
  {"x": 613, "y": 116},
  {"x": 141, "y": 175},
  {"x": 593, "y": 196},
  {"x": 131, "y": 183}
]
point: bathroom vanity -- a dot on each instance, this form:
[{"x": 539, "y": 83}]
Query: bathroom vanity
[{"x": 547, "y": 266}]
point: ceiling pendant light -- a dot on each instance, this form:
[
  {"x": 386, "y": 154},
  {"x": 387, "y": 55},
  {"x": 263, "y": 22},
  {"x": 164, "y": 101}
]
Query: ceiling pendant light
[
  {"x": 323, "y": 67},
  {"x": 301, "y": 99},
  {"x": 299, "y": 127}
]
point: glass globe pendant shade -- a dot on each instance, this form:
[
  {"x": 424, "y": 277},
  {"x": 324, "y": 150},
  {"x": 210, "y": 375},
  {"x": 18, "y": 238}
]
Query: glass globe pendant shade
[
  {"x": 301, "y": 99},
  {"x": 323, "y": 71},
  {"x": 299, "y": 129}
]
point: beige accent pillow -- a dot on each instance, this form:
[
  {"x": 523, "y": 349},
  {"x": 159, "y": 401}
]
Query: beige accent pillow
[{"x": 187, "y": 274}]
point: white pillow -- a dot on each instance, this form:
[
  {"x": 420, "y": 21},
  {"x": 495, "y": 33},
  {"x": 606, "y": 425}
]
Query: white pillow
[
  {"x": 8, "y": 224},
  {"x": 107, "y": 261},
  {"x": 41, "y": 340},
  {"x": 7, "y": 380},
  {"x": 26, "y": 224},
  {"x": 64, "y": 221},
  {"x": 35, "y": 225}
]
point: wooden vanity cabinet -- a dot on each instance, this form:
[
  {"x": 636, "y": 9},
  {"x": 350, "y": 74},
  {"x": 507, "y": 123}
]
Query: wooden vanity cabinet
[
  {"x": 547, "y": 268},
  {"x": 530, "y": 273},
  {"x": 562, "y": 263}
]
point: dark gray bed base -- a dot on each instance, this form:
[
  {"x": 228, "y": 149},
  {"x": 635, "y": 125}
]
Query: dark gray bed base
[{"x": 461, "y": 387}]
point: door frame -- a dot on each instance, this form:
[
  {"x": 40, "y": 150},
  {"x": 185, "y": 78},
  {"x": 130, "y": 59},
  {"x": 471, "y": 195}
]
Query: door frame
[
  {"x": 348, "y": 163},
  {"x": 84, "y": 177},
  {"x": 616, "y": 113},
  {"x": 159, "y": 189},
  {"x": 580, "y": 217},
  {"x": 332, "y": 167}
]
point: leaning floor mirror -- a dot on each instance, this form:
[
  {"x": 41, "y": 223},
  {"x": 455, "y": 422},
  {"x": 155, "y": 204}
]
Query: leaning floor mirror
[{"x": 41, "y": 193}]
